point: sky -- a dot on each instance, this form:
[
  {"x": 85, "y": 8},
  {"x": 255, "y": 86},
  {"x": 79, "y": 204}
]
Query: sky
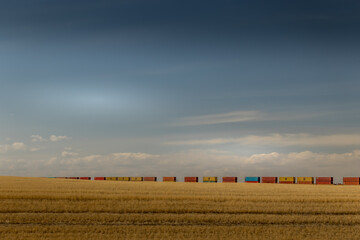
[{"x": 179, "y": 88}]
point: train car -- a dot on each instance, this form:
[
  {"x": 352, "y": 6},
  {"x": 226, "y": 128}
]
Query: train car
[
  {"x": 85, "y": 178},
  {"x": 169, "y": 179},
  {"x": 210, "y": 179},
  {"x": 351, "y": 180},
  {"x": 287, "y": 180},
  {"x": 252, "y": 179},
  {"x": 123, "y": 179},
  {"x": 150, "y": 179},
  {"x": 229, "y": 179},
  {"x": 324, "y": 180},
  {"x": 111, "y": 178},
  {"x": 191, "y": 179},
  {"x": 269, "y": 180},
  {"x": 136, "y": 179},
  {"x": 99, "y": 178},
  {"x": 305, "y": 180}
]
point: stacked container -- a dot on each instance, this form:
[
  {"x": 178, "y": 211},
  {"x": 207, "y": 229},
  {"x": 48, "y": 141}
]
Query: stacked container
[
  {"x": 191, "y": 179},
  {"x": 252, "y": 179},
  {"x": 305, "y": 180},
  {"x": 123, "y": 179},
  {"x": 324, "y": 180},
  {"x": 269, "y": 179},
  {"x": 351, "y": 180},
  {"x": 85, "y": 178},
  {"x": 136, "y": 179},
  {"x": 111, "y": 179},
  {"x": 150, "y": 179},
  {"x": 99, "y": 178},
  {"x": 210, "y": 179},
  {"x": 287, "y": 180},
  {"x": 229, "y": 179},
  {"x": 169, "y": 179}
]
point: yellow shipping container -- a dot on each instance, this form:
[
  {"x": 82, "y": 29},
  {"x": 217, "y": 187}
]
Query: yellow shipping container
[
  {"x": 123, "y": 179},
  {"x": 286, "y": 179},
  {"x": 305, "y": 179},
  {"x": 111, "y": 178},
  {"x": 136, "y": 179},
  {"x": 212, "y": 179}
]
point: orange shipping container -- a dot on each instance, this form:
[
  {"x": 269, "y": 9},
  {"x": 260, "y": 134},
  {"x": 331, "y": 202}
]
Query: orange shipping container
[
  {"x": 351, "y": 179},
  {"x": 191, "y": 179},
  {"x": 229, "y": 179},
  {"x": 169, "y": 179},
  {"x": 351, "y": 183},
  {"x": 269, "y": 179},
  {"x": 286, "y": 182}
]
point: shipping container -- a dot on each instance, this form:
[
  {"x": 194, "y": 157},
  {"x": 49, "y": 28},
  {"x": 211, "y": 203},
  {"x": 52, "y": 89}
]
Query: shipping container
[
  {"x": 85, "y": 178},
  {"x": 99, "y": 178},
  {"x": 210, "y": 179},
  {"x": 229, "y": 179},
  {"x": 305, "y": 180},
  {"x": 269, "y": 179},
  {"x": 351, "y": 180},
  {"x": 287, "y": 179},
  {"x": 286, "y": 182},
  {"x": 72, "y": 177},
  {"x": 150, "y": 179},
  {"x": 136, "y": 179},
  {"x": 191, "y": 179},
  {"x": 111, "y": 178},
  {"x": 252, "y": 179},
  {"x": 324, "y": 180},
  {"x": 169, "y": 179},
  {"x": 123, "y": 179}
]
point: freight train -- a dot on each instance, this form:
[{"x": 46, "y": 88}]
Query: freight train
[{"x": 279, "y": 180}]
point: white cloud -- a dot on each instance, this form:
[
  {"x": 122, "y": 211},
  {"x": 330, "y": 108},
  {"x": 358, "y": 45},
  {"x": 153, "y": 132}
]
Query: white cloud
[
  {"x": 242, "y": 116},
  {"x": 16, "y": 146},
  {"x": 280, "y": 140},
  {"x": 37, "y": 138},
  {"x": 54, "y": 138}
]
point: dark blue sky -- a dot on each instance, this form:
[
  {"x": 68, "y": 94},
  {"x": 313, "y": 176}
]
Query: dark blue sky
[{"x": 164, "y": 77}]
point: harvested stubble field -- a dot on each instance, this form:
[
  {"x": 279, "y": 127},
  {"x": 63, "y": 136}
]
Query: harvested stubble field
[{"x": 40, "y": 208}]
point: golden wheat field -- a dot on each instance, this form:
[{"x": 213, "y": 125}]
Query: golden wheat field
[{"x": 41, "y": 208}]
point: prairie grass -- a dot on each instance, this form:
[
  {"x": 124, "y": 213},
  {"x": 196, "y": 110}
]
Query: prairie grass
[{"x": 40, "y": 208}]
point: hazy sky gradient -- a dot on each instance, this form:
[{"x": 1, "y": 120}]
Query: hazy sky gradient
[{"x": 199, "y": 86}]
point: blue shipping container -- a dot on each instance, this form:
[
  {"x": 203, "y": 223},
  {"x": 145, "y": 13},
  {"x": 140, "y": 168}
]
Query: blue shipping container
[{"x": 252, "y": 179}]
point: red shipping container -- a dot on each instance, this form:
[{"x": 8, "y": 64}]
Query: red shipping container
[
  {"x": 324, "y": 179},
  {"x": 191, "y": 179},
  {"x": 305, "y": 182},
  {"x": 229, "y": 179},
  {"x": 269, "y": 179},
  {"x": 99, "y": 178},
  {"x": 329, "y": 183},
  {"x": 85, "y": 178},
  {"x": 149, "y": 179},
  {"x": 351, "y": 179},
  {"x": 169, "y": 179}
]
